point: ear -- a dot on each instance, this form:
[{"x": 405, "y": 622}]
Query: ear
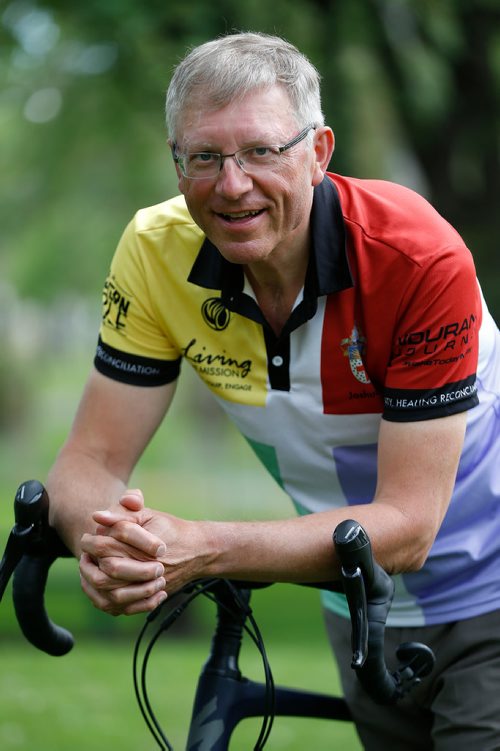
[
  {"x": 324, "y": 145},
  {"x": 179, "y": 173}
]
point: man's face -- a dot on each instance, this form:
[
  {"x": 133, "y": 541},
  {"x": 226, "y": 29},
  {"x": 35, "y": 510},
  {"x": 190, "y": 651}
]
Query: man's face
[{"x": 250, "y": 219}]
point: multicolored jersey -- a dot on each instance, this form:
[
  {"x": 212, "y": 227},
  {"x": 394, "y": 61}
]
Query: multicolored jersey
[{"x": 390, "y": 325}]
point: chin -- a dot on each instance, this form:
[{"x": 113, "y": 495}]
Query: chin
[{"x": 243, "y": 254}]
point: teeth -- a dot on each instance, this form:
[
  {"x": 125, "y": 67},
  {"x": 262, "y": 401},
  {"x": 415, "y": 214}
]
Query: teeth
[{"x": 241, "y": 214}]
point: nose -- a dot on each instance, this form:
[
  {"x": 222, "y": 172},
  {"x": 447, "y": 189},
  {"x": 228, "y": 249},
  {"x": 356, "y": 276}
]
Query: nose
[{"x": 232, "y": 182}]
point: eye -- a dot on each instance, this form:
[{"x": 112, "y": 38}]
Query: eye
[
  {"x": 261, "y": 152},
  {"x": 204, "y": 157},
  {"x": 259, "y": 156}
]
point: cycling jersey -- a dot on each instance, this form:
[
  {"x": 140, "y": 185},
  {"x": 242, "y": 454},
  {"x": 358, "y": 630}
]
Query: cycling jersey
[{"x": 390, "y": 324}]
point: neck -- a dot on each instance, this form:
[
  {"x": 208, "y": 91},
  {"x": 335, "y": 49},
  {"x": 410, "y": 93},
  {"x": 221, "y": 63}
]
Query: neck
[{"x": 276, "y": 287}]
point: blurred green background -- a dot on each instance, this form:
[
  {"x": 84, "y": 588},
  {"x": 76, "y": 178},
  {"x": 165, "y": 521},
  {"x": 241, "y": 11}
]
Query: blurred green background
[{"x": 412, "y": 90}]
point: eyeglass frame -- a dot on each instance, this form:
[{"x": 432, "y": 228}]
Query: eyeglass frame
[{"x": 293, "y": 142}]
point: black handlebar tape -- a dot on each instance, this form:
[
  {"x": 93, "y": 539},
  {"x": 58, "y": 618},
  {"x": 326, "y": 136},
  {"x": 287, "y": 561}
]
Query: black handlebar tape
[
  {"x": 28, "y": 587},
  {"x": 13, "y": 553},
  {"x": 354, "y": 550},
  {"x": 378, "y": 682},
  {"x": 41, "y": 547}
]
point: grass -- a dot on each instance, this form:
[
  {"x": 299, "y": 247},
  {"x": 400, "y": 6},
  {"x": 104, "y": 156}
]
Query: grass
[{"x": 85, "y": 700}]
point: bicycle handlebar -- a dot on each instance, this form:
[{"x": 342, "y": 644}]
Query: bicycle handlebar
[
  {"x": 369, "y": 591},
  {"x": 33, "y": 546},
  {"x": 31, "y": 549}
]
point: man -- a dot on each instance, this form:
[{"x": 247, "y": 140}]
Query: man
[{"x": 338, "y": 322}]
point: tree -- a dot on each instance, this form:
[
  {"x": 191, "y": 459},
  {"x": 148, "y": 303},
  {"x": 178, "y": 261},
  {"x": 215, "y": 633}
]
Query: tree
[{"x": 411, "y": 88}]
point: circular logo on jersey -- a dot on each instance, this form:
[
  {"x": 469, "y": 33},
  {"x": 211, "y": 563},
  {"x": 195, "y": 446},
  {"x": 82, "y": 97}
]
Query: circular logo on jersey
[{"x": 215, "y": 313}]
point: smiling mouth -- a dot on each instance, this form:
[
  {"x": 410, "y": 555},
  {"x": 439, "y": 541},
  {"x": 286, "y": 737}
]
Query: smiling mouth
[{"x": 240, "y": 215}]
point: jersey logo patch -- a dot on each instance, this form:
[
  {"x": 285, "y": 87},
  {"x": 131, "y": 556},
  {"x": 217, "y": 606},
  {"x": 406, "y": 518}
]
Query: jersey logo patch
[
  {"x": 215, "y": 314},
  {"x": 353, "y": 348},
  {"x": 115, "y": 305}
]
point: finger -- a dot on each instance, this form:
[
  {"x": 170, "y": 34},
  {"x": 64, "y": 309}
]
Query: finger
[
  {"x": 133, "y": 500},
  {"x": 144, "y": 606},
  {"x": 130, "y": 570},
  {"x": 122, "y": 604},
  {"x": 108, "y": 574},
  {"x": 102, "y": 590},
  {"x": 129, "y": 506},
  {"x": 122, "y": 597},
  {"x": 97, "y": 579},
  {"x": 108, "y": 517},
  {"x": 101, "y": 529},
  {"x": 106, "y": 546},
  {"x": 135, "y": 536}
]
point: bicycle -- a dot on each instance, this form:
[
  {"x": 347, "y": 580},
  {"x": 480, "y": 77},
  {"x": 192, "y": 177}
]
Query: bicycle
[{"x": 224, "y": 696}]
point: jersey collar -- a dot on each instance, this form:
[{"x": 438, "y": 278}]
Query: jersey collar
[{"x": 327, "y": 271}]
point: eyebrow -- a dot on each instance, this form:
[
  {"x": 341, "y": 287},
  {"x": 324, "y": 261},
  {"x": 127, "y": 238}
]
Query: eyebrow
[{"x": 207, "y": 148}]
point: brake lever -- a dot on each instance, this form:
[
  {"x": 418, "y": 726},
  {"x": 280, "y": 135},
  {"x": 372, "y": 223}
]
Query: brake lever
[
  {"x": 369, "y": 591},
  {"x": 354, "y": 588},
  {"x": 354, "y": 550},
  {"x": 31, "y": 504}
]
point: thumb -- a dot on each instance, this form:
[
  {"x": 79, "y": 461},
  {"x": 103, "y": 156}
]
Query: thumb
[{"x": 133, "y": 500}]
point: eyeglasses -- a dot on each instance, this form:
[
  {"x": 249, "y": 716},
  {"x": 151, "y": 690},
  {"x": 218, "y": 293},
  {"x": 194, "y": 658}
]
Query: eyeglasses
[{"x": 254, "y": 160}]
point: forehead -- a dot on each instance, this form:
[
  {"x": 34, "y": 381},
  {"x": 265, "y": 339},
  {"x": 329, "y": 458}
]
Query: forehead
[{"x": 257, "y": 116}]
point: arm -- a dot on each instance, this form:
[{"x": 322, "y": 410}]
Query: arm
[
  {"x": 112, "y": 427},
  {"x": 417, "y": 467}
]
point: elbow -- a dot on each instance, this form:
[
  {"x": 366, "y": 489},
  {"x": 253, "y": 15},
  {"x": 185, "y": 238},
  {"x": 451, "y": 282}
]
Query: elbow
[
  {"x": 415, "y": 562},
  {"x": 411, "y": 551},
  {"x": 416, "y": 553}
]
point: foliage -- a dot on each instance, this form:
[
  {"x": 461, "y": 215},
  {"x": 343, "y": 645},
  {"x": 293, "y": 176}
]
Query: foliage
[{"x": 410, "y": 86}]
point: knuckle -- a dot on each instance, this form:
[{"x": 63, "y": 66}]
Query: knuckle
[
  {"x": 109, "y": 567},
  {"x": 110, "y": 609},
  {"x": 122, "y": 530},
  {"x": 102, "y": 581},
  {"x": 114, "y": 597},
  {"x": 85, "y": 540},
  {"x": 95, "y": 578},
  {"x": 94, "y": 546}
]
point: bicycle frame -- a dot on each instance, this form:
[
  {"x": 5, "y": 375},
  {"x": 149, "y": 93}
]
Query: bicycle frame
[{"x": 224, "y": 696}]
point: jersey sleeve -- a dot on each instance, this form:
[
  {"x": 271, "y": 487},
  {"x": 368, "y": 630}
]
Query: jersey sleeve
[
  {"x": 432, "y": 370},
  {"x": 132, "y": 346}
]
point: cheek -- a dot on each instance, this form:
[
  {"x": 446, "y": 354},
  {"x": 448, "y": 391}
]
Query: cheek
[
  {"x": 287, "y": 191},
  {"x": 195, "y": 199},
  {"x": 181, "y": 181},
  {"x": 296, "y": 201},
  {"x": 184, "y": 185}
]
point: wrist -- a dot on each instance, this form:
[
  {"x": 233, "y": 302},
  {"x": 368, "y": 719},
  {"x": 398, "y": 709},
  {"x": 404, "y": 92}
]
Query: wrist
[{"x": 219, "y": 542}]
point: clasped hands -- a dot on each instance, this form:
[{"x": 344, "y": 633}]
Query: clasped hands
[{"x": 137, "y": 556}]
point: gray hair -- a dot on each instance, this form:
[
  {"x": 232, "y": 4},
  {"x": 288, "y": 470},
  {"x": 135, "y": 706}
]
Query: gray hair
[{"x": 228, "y": 68}]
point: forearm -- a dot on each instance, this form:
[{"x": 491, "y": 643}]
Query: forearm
[
  {"x": 301, "y": 548},
  {"x": 416, "y": 471},
  {"x": 78, "y": 484}
]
